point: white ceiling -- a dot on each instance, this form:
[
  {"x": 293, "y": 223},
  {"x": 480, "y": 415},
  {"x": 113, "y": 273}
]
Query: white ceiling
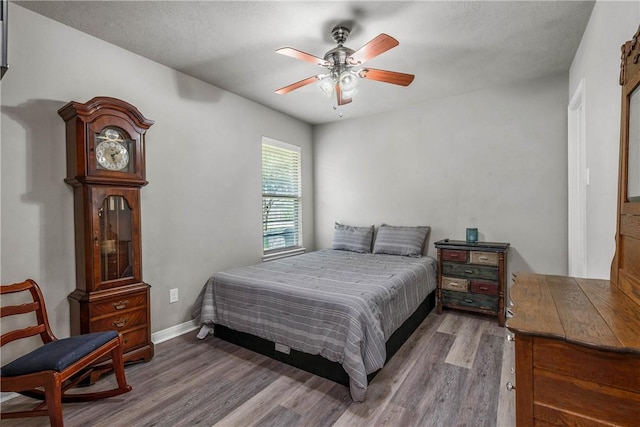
[{"x": 451, "y": 47}]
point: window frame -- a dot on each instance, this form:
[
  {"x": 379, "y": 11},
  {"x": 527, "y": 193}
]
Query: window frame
[{"x": 297, "y": 247}]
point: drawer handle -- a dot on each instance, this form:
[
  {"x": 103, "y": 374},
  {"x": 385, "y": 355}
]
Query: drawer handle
[
  {"x": 120, "y": 323},
  {"x": 126, "y": 341},
  {"x": 455, "y": 285},
  {"x": 484, "y": 258},
  {"x": 483, "y": 288},
  {"x": 469, "y": 271},
  {"x": 120, "y": 304},
  {"x": 468, "y": 300},
  {"x": 510, "y": 386}
]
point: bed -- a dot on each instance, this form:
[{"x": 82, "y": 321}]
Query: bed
[{"x": 350, "y": 308}]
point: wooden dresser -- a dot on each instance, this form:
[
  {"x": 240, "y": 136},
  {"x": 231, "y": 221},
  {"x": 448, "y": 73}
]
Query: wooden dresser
[
  {"x": 472, "y": 277},
  {"x": 577, "y": 352}
]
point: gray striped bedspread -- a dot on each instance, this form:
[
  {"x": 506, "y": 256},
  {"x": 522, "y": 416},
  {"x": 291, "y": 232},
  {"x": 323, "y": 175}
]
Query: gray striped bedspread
[{"x": 338, "y": 304}]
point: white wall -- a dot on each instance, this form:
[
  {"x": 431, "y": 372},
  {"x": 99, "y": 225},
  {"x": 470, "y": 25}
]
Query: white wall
[
  {"x": 597, "y": 60},
  {"x": 493, "y": 159},
  {"x": 201, "y": 211}
]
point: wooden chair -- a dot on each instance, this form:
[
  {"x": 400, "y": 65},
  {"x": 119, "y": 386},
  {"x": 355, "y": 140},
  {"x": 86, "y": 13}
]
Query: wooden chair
[{"x": 49, "y": 371}]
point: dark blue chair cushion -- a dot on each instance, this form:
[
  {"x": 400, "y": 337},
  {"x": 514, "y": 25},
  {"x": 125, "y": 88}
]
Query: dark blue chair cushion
[{"x": 57, "y": 355}]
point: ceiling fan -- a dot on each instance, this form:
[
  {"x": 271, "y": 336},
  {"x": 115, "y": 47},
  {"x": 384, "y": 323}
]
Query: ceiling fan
[{"x": 343, "y": 65}]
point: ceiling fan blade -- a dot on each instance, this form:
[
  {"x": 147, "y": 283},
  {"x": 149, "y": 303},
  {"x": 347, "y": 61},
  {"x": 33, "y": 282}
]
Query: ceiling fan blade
[
  {"x": 341, "y": 100},
  {"x": 375, "y": 47},
  {"x": 385, "y": 76},
  {"x": 303, "y": 56},
  {"x": 296, "y": 85}
]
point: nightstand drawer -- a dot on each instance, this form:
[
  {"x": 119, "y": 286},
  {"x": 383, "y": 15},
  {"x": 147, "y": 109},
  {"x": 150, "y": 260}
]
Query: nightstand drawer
[
  {"x": 486, "y": 288},
  {"x": 454, "y": 255},
  {"x": 484, "y": 302},
  {"x": 471, "y": 271},
  {"x": 455, "y": 284},
  {"x": 484, "y": 258}
]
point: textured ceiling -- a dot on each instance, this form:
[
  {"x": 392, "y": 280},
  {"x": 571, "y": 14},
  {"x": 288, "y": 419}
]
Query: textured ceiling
[{"x": 451, "y": 47}]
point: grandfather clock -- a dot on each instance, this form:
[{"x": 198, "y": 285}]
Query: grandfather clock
[{"x": 106, "y": 167}]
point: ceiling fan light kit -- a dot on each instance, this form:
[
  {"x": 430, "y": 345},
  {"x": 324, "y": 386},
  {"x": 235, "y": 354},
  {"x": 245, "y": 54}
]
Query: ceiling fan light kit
[{"x": 342, "y": 78}]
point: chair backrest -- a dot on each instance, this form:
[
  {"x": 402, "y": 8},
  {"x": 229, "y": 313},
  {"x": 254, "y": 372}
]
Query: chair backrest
[{"x": 37, "y": 305}]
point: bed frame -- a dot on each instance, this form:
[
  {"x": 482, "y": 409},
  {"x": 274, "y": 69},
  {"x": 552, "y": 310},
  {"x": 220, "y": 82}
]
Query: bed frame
[{"x": 316, "y": 364}]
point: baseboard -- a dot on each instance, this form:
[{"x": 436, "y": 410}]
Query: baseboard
[
  {"x": 174, "y": 331},
  {"x": 156, "y": 337}
]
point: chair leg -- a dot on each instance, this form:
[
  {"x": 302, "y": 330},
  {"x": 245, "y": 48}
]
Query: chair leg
[
  {"x": 118, "y": 367},
  {"x": 53, "y": 397}
]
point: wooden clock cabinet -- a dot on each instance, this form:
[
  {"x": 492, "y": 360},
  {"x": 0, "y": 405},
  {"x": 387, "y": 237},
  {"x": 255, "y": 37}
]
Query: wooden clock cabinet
[{"x": 105, "y": 141}]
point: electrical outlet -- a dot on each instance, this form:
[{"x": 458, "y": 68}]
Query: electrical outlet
[{"x": 173, "y": 295}]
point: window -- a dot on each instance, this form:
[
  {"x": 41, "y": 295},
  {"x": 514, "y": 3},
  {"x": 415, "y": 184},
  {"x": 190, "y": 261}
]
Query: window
[{"x": 281, "y": 196}]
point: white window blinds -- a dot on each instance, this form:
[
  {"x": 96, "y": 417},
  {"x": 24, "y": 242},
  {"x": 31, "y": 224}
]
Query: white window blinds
[{"x": 281, "y": 196}]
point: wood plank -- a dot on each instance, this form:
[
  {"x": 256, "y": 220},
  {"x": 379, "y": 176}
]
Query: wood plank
[
  {"x": 481, "y": 381},
  {"x": 534, "y": 307},
  {"x": 329, "y": 408},
  {"x": 412, "y": 393},
  {"x": 451, "y": 323},
  {"x": 277, "y": 417},
  {"x": 463, "y": 351},
  {"x": 618, "y": 311},
  {"x": 581, "y": 321},
  {"x": 256, "y": 407}
]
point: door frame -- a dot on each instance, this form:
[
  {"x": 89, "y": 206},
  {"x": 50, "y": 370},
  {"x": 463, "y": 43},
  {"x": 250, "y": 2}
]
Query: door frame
[{"x": 578, "y": 181}]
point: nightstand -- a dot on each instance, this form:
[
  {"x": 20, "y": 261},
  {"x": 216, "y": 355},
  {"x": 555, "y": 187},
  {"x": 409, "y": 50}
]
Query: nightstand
[{"x": 472, "y": 277}]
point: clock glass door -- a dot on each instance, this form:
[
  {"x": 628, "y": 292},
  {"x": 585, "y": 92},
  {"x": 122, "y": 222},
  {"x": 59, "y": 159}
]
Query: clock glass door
[
  {"x": 116, "y": 243},
  {"x": 633, "y": 144}
]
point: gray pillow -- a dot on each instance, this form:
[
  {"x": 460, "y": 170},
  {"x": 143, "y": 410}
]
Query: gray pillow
[
  {"x": 350, "y": 238},
  {"x": 405, "y": 241}
]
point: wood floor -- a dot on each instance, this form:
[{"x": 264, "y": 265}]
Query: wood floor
[{"x": 449, "y": 373}]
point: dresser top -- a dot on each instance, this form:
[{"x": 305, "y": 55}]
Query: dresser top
[
  {"x": 463, "y": 245},
  {"x": 587, "y": 312}
]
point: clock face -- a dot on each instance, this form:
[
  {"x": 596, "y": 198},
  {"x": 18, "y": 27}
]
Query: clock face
[{"x": 112, "y": 150}]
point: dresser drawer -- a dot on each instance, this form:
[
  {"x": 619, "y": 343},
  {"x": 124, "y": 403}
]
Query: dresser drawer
[
  {"x": 455, "y": 284},
  {"x": 135, "y": 338},
  {"x": 484, "y": 258},
  {"x": 454, "y": 255},
  {"x": 586, "y": 363},
  {"x": 581, "y": 400},
  {"x": 486, "y": 288},
  {"x": 471, "y": 271},
  {"x": 484, "y": 302},
  {"x": 120, "y": 321},
  {"x": 119, "y": 304}
]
